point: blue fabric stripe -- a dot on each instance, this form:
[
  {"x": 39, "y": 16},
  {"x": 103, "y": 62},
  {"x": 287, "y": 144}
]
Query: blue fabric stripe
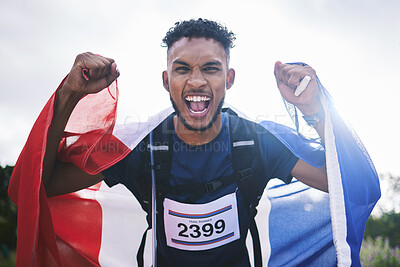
[
  {"x": 309, "y": 217},
  {"x": 280, "y": 185},
  {"x": 290, "y": 194}
]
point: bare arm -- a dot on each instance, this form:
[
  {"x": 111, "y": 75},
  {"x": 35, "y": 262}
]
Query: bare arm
[
  {"x": 61, "y": 178},
  {"x": 288, "y": 77}
]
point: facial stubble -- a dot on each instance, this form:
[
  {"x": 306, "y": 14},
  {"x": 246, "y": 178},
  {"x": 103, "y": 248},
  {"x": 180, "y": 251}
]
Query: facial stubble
[{"x": 201, "y": 129}]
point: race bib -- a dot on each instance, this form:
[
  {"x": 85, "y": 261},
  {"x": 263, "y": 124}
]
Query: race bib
[{"x": 201, "y": 226}]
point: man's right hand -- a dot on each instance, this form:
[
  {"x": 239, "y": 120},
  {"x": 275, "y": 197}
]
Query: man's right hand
[{"x": 101, "y": 72}]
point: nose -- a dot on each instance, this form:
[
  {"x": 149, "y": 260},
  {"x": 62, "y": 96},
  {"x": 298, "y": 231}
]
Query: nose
[{"x": 196, "y": 79}]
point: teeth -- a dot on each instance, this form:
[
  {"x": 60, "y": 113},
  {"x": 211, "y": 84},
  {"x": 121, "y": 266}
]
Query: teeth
[
  {"x": 197, "y": 98},
  {"x": 196, "y": 112}
]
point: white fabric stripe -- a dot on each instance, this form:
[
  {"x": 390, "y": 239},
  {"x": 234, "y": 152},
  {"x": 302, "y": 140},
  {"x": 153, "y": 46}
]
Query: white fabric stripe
[
  {"x": 157, "y": 148},
  {"x": 123, "y": 223},
  {"x": 262, "y": 218},
  {"x": 262, "y": 221},
  {"x": 243, "y": 143},
  {"x": 336, "y": 195},
  {"x": 130, "y": 134}
]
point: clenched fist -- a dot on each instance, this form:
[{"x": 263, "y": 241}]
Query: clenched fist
[
  {"x": 288, "y": 77},
  {"x": 100, "y": 72}
]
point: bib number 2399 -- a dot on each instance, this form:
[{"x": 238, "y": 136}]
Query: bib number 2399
[{"x": 201, "y": 226}]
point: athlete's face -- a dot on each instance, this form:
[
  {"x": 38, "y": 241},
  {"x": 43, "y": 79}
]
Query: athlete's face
[{"x": 196, "y": 78}]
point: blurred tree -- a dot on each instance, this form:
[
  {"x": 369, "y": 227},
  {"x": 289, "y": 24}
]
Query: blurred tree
[
  {"x": 385, "y": 221},
  {"x": 386, "y": 226},
  {"x": 390, "y": 200},
  {"x": 8, "y": 210}
]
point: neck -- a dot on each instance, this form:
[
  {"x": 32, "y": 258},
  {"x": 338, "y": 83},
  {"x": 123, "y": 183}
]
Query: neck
[{"x": 197, "y": 138}]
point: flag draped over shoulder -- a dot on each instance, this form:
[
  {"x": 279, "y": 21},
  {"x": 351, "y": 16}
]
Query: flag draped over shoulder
[
  {"x": 36, "y": 239},
  {"x": 50, "y": 230},
  {"x": 353, "y": 183},
  {"x": 102, "y": 226}
]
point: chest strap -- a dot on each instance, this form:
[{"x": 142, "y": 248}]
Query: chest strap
[
  {"x": 197, "y": 190},
  {"x": 246, "y": 161},
  {"x": 246, "y": 152}
]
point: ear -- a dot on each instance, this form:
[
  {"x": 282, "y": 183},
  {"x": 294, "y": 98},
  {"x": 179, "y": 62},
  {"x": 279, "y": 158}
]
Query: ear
[
  {"x": 165, "y": 80},
  {"x": 230, "y": 78}
]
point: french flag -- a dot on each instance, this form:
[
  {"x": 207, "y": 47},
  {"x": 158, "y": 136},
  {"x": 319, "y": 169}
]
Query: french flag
[{"x": 102, "y": 226}]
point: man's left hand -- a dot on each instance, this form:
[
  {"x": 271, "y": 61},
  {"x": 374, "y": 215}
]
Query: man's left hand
[{"x": 288, "y": 77}]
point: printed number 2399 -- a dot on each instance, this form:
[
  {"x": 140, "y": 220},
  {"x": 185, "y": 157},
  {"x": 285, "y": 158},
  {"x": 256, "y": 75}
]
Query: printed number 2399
[{"x": 206, "y": 230}]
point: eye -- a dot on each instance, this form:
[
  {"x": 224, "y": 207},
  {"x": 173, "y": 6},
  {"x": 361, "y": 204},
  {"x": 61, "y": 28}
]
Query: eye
[
  {"x": 210, "y": 69},
  {"x": 182, "y": 69}
]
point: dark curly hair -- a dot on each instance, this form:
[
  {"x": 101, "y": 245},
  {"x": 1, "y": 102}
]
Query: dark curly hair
[{"x": 200, "y": 28}]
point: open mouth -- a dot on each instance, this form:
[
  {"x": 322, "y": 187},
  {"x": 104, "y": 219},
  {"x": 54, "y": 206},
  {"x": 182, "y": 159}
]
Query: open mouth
[{"x": 197, "y": 105}]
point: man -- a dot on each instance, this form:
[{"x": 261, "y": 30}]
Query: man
[{"x": 197, "y": 78}]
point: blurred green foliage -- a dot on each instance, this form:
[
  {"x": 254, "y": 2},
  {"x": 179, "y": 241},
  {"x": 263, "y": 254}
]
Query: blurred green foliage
[
  {"x": 382, "y": 233},
  {"x": 377, "y": 252},
  {"x": 8, "y": 211},
  {"x": 8, "y": 262},
  {"x": 8, "y": 221},
  {"x": 387, "y": 226}
]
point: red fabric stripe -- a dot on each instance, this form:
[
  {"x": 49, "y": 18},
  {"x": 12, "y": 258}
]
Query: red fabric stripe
[
  {"x": 77, "y": 220},
  {"x": 26, "y": 190},
  {"x": 90, "y": 127},
  {"x": 69, "y": 234},
  {"x": 94, "y": 151}
]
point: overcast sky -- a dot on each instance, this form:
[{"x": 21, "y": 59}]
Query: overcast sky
[{"x": 353, "y": 45}]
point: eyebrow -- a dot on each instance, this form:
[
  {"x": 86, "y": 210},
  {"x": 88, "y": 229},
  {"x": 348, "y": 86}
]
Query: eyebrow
[
  {"x": 211, "y": 63},
  {"x": 180, "y": 62}
]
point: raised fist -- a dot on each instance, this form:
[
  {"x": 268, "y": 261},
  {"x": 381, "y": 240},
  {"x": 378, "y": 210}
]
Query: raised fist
[
  {"x": 90, "y": 74},
  {"x": 288, "y": 77}
]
